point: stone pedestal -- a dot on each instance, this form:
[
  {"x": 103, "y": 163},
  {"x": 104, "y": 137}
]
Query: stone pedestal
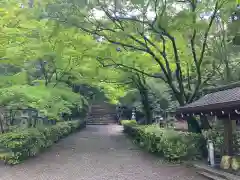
[
  {"x": 226, "y": 162},
  {"x": 228, "y": 144},
  {"x": 235, "y": 163}
]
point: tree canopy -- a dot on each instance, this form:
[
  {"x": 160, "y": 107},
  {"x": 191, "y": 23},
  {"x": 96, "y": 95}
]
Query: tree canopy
[
  {"x": 42, "y": 60},
  {"x": 180, "y": 47}
]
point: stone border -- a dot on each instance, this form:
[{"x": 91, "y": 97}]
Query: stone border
[{"x": 214, "y": 174}]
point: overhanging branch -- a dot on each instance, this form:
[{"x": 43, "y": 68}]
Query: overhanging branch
[
  {"x": 203, "y": 49},
  {"x": 126, "y": 68}
]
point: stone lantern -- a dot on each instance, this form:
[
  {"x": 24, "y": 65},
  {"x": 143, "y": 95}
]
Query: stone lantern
[{"x": 133, "y": 114}]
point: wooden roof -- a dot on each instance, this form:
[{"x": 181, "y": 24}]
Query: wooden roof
[{"x": 217, "y": 101}]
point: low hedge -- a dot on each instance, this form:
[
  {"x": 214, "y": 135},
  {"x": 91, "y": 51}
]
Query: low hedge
[
  {"x": 172, "y": 145},
  {"x": 125, "y": 122},
  {"x": 22, "y": 144}
]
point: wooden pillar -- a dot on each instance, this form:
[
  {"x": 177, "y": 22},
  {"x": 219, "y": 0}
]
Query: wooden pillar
[
  {"x": 234, "y": 125},
  {"x": 228, "y": 137},
  {"x": 204, "y": 122}
]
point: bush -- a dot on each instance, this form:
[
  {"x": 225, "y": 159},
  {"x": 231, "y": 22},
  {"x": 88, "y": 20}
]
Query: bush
[
  {"x": 30, "y": 142},
  {"x": 48, "y": 101},
  {"x": 172, "y": 145},
  {"x": 125, "y": 122},
  {"x": 217, "y": 137}
]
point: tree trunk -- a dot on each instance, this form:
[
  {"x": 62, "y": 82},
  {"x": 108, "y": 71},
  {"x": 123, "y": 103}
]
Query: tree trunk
[
  {"x": 29, "y": 120},
  {"x": 146, "y": 107},
  {"x": 1, "y": 123},
  {"x": 140, "y": 84},
  {"x": 204, "y": 122},
  {"x": 34, "y": 122},
  {"x": 146, "y": 104},
  {"x": 193, "y": 125},
  {"x": 11, "y": 118}
]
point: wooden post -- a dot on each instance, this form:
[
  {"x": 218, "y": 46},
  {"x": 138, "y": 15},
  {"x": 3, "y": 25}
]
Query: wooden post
[
  {"x": 228, "y": 137},
  {"x": 204, "y": 122},
  {"x": 228, "y": 144},
  {"x": 234, "y": 125}
]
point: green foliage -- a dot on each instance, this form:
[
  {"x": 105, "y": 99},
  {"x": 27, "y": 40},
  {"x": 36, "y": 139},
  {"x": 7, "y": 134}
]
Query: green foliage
[
  {"x": 16, "y": 79},
  {"x": 169, "y": 38},
  {"x": 51, "y": 102},
  {"x": 67, "y": 54},
  {"x": 162, "y": 98},
  {"x": 128, "y": 122},
  {"x": 50, "y": 52},
  {"x": 172, "y": 145},
  {"x": 217, "y": 137},
  {"x": 30, "y": 142}
]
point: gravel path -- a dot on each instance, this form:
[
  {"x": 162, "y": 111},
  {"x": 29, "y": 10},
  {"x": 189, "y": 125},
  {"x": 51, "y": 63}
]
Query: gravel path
[{"x": 96, "y": 153}]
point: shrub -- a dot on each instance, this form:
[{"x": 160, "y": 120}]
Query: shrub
[
  {"x": 217, "y": 137},
  {"x": 125, "y": 122},
  {"x": 48, "y": 101},
  {"x": 30, "y": 142},
  {"x": 172, "y": 145}
]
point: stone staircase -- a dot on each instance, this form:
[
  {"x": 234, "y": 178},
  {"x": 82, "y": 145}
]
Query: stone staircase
[{"x": 101, "y": 114}]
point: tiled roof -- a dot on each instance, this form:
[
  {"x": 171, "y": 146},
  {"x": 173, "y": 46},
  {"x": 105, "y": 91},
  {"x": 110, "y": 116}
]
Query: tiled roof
[{"x": 220, "y": 99}]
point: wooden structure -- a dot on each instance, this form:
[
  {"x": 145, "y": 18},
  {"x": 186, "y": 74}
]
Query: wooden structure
[{"x": 225, "y": 105}]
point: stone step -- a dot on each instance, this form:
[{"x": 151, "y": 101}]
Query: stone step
[
  {"x": 205, "y": 169},
  {"x": 210, "y": 176},
  {"x": 101, "y": 117},
  {"x": 100, "y": 121},
  {"x": 100, "y": 114},
  {"x": 102, "y": 110},
  {"x": 101, "y": 106},
  {"x": 110, "y": 110}
]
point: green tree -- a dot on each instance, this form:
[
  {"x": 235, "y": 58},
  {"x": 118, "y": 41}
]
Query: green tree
[
  {"x": 51, "y": 102},
  {"x": 173, "y": 34}
]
